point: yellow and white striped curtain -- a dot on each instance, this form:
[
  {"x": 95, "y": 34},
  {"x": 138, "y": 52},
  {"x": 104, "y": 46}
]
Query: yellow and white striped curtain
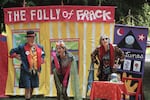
[{"x": 88, "y": 34}]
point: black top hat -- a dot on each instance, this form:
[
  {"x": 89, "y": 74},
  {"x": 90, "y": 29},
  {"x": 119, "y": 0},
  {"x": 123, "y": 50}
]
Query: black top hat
[{"x": 30, "y": 34}]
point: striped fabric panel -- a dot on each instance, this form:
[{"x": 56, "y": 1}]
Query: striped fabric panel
[{"x": 88, "y": 35}]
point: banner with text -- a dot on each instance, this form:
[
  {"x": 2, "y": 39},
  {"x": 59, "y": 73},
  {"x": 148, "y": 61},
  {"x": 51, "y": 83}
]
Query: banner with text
[{"x": 59, "y": 13}]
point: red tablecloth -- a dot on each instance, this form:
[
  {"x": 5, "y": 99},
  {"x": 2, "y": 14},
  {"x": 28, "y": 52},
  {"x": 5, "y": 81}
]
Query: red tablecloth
[{"x": 107, "y": 90}]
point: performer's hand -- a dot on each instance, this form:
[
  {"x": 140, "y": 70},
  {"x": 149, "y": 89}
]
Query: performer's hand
[
  {"x": 121, "y": 61},
  {"x": 116, "y": 66},
  {"x": 64, "y": 89},
  {"x": 18, "y": 57},
  {"x": 15, "y": 55},
  {"x": 95, "y": 61}
]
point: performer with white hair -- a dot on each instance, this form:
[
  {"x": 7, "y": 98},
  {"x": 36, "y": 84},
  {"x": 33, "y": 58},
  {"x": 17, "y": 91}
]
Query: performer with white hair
[{"x": 106, "y": 56}]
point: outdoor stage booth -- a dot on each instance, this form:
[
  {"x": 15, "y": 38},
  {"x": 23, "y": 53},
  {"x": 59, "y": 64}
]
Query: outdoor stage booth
[{"x": 79, "y": 26}]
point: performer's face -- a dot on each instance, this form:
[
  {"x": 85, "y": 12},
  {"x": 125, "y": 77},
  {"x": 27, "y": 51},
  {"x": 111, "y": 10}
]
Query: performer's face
[
  {"x": 104, "y": 41},
  {"x": 60, "y": 50},
  {"x": 30, "y": 40}
]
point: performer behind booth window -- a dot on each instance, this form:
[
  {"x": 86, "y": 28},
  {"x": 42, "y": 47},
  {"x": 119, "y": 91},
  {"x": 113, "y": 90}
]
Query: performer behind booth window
[
  {"x": 108, "y": 57},
  {"x": 31, "y": 56},
  {"x": 64, "y": 66}
]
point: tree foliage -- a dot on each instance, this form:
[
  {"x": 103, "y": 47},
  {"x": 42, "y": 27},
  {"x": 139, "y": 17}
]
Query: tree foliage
[
  {"x": 144, "y": 15},
  {"x": 144, "y": 18}
]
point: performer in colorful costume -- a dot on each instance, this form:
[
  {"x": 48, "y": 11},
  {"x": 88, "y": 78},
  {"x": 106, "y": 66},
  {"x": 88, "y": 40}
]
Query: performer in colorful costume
[
  {"x": 31, "y": 56},
  {"x": 108, "y": 57},
  {"x": 64, "y": 66}
]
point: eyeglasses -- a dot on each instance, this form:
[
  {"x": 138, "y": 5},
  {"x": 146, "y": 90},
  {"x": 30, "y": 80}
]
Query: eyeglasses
[{"x": 105, "y": 39}]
